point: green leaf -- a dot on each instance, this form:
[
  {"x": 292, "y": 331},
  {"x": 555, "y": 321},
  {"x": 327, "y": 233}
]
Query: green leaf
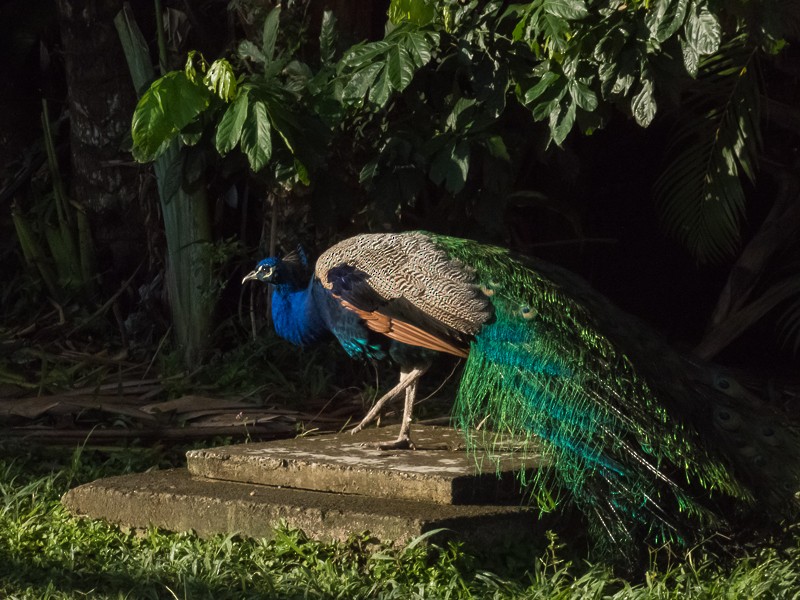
[
  {"x": 134, "y": 45},
  {"x": 270, "y": 33},
  {"x": 368, "y": 172},
  {"x": 170, "y": 104},
  {"x": 303, "y": 133},
  {"x": 302, "y": 172},
  {"x": 454, "y": 122},
  {"x": 643, "y": 105},
  {"x": 622, "y": 74},
  {"x": 497, "y": 147},
  {"x": 450, "y": 166},
  {"x": 327, "y": 38},
  {"x": 249, "y": 51},
  {"x": 419, "y": 47},
  {"x": 562, "y": 118},
  {"x": 703, "y": 31},
  {"x": 567, "y": 9},
  {"x": 417, "y": 12},
  {"x": 256, "y": 136},
  {"x": 399, "y": 68},
  {"x": 359, "y": 83},
  {"x": 691, "y": 59},
  {"x": 544, "y": 109},
  {"x": 542, "y": 86},
  {"x": 221, "y": 80},
  {"x": 229, "y": 129},
  {"x": 381, "y": 68},
  {"x": 522, "y": 30},
  {"x": 584, "y": 97},
  {"x": 556, "y": 31},
  {"x": 362, "y": 54},
  {"x": 379, "y": 93},
  {"x": 665, "y": 18}
]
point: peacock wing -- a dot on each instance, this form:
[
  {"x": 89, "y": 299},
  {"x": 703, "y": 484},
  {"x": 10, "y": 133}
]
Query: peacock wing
[{"x": 405, "y": 287}]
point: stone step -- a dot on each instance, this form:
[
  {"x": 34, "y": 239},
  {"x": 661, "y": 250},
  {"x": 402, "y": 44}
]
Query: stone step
[
  {"x": 439, "y": 470},
  {"x": 177, "y": 501}
]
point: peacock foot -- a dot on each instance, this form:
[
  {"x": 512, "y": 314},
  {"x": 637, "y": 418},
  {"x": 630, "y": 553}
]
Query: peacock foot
[
  {"x": 357, "y": 428},
  {"x": 401, "y": 443}
]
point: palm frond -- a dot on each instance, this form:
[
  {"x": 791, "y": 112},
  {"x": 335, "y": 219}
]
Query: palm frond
[{"x": 700, "y": 195}]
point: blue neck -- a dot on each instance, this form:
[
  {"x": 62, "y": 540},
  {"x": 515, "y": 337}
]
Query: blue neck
[{"x": 295, "y": 315}]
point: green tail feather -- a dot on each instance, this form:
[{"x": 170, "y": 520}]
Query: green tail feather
[{"x": 621, "y": 437}]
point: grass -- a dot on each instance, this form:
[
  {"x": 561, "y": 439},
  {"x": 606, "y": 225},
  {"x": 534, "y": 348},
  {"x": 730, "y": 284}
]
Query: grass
[{"x": 45, "y": 553}]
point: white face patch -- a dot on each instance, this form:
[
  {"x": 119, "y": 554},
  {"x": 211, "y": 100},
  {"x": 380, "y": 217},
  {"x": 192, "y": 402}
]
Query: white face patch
[{"x": 265, "y": 272}]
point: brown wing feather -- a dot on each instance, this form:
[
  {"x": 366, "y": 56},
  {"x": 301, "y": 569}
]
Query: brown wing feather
[
  {"x": 410, "y": 266},
  {"x": 405, "y": 332}
]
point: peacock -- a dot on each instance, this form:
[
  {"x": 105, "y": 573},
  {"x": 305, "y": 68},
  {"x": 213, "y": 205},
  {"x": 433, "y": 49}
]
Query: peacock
[{"x": 649, "y": 444}]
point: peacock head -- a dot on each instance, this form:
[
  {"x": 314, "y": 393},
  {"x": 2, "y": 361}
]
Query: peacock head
[
  {"x": 269, "y": 270},
  {"x": 289, "y": 269}
]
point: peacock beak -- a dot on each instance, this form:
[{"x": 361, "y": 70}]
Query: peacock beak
[{"x": 250, "y": 277}]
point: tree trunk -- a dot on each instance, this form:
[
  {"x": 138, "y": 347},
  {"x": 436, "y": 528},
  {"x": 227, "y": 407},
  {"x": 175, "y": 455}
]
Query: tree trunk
[{"x": 101, "y": 102}]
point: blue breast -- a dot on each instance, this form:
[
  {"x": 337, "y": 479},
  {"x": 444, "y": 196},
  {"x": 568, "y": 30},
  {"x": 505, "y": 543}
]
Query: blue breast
[
  {"x": 295, "y": 316},
  {"x": 306, "y": 316}
]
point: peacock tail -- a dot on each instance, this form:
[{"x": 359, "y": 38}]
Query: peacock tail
[{"x": 628, "y": 453}]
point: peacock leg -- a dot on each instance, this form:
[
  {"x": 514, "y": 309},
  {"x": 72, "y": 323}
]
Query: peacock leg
[
  {"x": 403, "y": 441},
  {"x": 408, "y": 384}
]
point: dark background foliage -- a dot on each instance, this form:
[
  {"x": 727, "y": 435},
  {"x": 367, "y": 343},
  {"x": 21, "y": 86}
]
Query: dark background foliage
[{"x": 652, "y": 150}]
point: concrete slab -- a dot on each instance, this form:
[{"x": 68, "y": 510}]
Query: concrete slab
[
  {"x": 176, "y": 501},
  {"x": 440, "y": 469}
]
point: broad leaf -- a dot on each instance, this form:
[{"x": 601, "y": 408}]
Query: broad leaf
[
  {"x": 170, "y": 104},
  {"x": 623, "y": 74},
  {"x": 379, "y": 94},
  {"x": 221, "y": 80},
  {"x": 270, "y": 33},
  {"x": 327, "y": 38},
  {"x": 359, "y": 83},
  {"x": 249, "y": 51},
  {"x": 567, "y": 9},
  {"x": 497, "y": 147},
  {"x": 541, "y": 86},
  {"x": 302, "y": 172},
  {"x": 450, "y": 166},
  {"x": 703, "y": 30},
  {"x": 229, "y": 129},
  {"x": 419, "y": 48},
  {"x": 562, "y": 118},
  {"x": 418, "y": 12},
  {"x": 643, "y": 105},
  {"x": 399, "y": 68},
  {"x": 584, "y": 97},
  {"x": 380, "y": 68},
  {"x": 665, "y": 18},
  {"x": 302, "y": 133},
  {"x": 555, "y": 31},
  {"x": 543, "y": 110},
  {"x": 362, "y": 54},
  {"x": 691, "y": 59},
  {"x": 454, "y": 121},
  {"x": 256, "y": 136}
]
